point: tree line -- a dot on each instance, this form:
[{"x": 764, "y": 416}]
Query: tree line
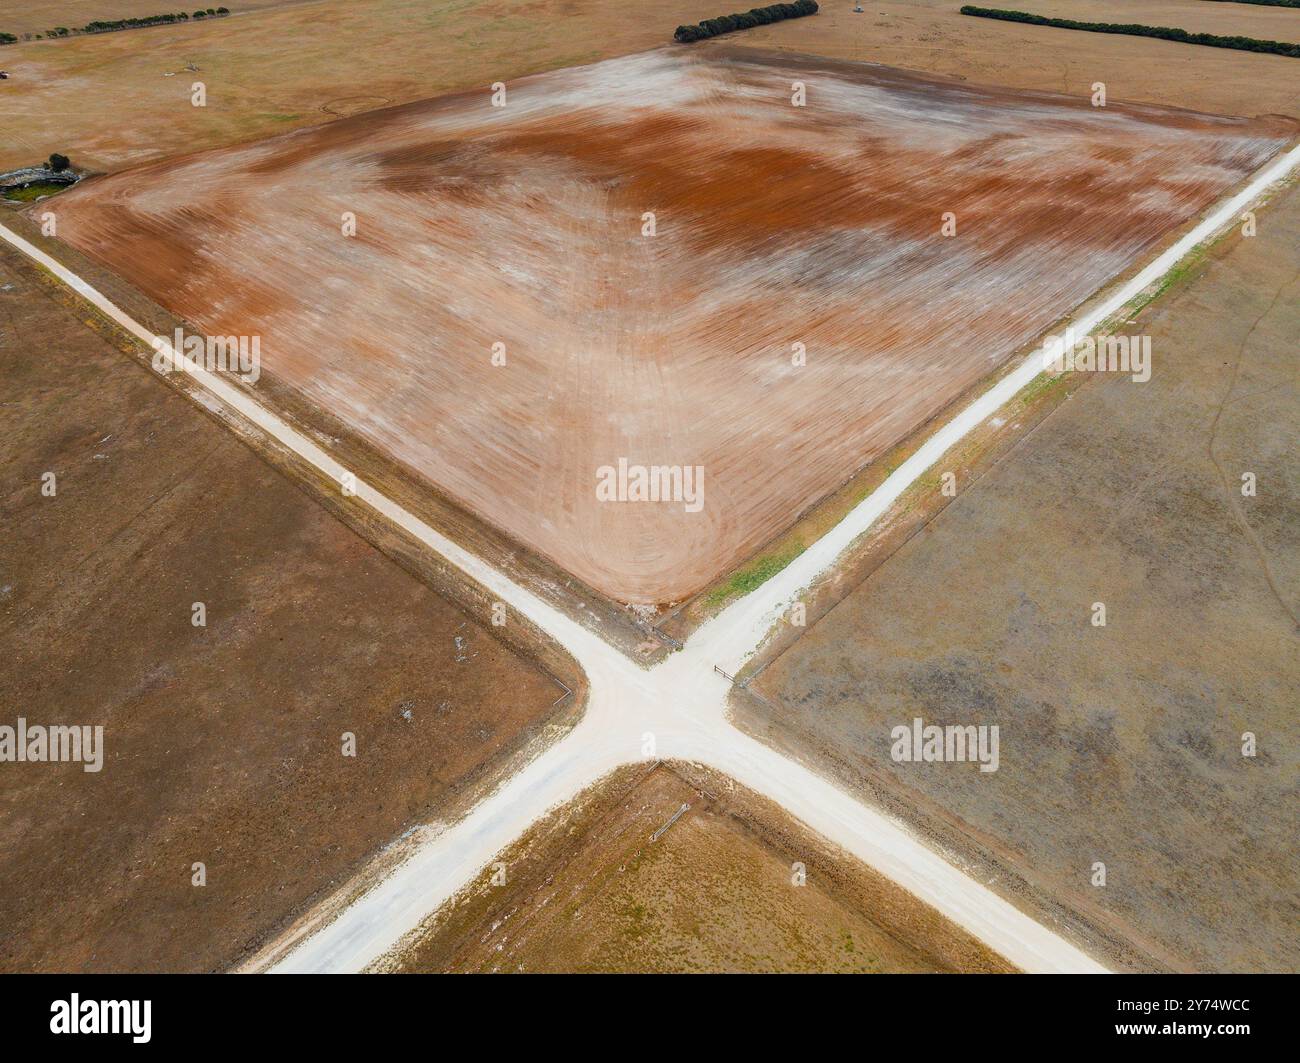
[
  {"x": 1166, "y": 33},
  {"x": 108, "y": 26},
  {"x": 758, "y": 16}
]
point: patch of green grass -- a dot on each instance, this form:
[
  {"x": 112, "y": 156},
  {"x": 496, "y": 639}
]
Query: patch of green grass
[
  {"x": 752, "y": 576},
  {"x": 1038, "y": 386},
  {"x": 511, "y": 25},
  {"x": 1181, "y": 270},
  {"x": 34, "y": 191},
  {"x": 1193, "y": 259}
]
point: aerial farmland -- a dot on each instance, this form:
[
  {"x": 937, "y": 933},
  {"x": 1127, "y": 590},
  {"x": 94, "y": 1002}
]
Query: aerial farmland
[
  {"x": 602, "y": 198},
  {"x": 545, "y": 487}
]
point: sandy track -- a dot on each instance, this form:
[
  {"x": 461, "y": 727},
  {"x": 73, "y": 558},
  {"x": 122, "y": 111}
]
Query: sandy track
[{"x": 776, "y": 225}]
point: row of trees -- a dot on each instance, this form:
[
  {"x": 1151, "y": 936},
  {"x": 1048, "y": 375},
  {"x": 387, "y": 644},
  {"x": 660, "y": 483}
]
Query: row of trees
[
  {"x": 152, "y": 20},
  {"x": 759, "y": 16},
  {"x": 1167, "y": 33},
  {"x": 102, "y": 26}
]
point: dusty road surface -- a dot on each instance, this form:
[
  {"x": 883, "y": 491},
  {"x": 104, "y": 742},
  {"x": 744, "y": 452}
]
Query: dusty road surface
[
  {"x": 775, "y": 225},
  {"x": 670, "y": 869},
  {"x": 119, "y": 99},
  {"x": 1121, "y": 745},
  {"x": 222, "y": 744}
]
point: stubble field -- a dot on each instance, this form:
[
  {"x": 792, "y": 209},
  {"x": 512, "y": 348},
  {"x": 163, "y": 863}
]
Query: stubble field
[{"x": 674, "y": 869}]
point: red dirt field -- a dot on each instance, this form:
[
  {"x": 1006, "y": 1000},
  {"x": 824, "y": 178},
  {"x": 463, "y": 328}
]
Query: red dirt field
[{"x": 776, "y": 225}]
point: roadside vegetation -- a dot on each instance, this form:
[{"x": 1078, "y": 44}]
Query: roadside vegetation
[
  {"x": 752, "y": 576},
  {"x": 34, "y": 191},
  {"x": 1132, "y": 29},
  {"x": 109, "y": 26},
  {"x": 36, "y": 182},
  {"x": 758, "y": 16}
]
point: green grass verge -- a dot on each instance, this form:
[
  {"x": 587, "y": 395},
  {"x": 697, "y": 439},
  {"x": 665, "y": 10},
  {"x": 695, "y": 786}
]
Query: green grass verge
[{"x": 752, "y": 576}]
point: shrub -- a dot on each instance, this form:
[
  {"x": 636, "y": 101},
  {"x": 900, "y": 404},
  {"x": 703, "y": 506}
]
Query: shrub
[{"x": 58, "y": 163}]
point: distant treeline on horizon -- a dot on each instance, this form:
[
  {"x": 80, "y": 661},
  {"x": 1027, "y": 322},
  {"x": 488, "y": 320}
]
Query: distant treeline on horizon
[
  {"x": 1265, "y": 3},
  {"x": 758, "y": 16},
  {"x": 108, "y": 26},
  {"x": 1133, "y": 29}
]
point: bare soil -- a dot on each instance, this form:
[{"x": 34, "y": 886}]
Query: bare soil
[
  {"x": 223, "y": 744},
  {"x": 108, "y": 102},
  {"x": 1122, "y": 744},
  {"x": 776, "y": 225},
  {"x": 673, "y": 869}
]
